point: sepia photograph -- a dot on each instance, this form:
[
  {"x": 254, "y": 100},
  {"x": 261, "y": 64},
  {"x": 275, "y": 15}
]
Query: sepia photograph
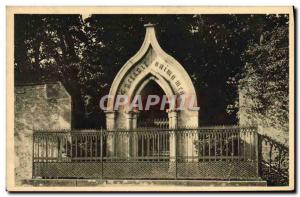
[{"x": 150, "y": 99}]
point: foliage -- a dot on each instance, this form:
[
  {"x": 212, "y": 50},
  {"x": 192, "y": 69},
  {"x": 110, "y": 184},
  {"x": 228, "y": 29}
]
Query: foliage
[{"x": 265, "y": 79}]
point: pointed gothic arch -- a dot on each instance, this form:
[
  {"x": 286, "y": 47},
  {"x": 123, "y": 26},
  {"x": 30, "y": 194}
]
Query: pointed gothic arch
[
  {"x": 151, "y": 63},
  {"x": 137, "y": 88}
]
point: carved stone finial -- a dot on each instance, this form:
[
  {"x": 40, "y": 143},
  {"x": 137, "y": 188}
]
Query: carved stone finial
[{"x": 149, "y": 25}]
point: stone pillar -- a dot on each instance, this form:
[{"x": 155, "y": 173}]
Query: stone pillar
[
  {"x": 122, "y": 144},
  {"x": 172, "y": 115},
  {"x": 121, "y": 138},
  {"x": 250, "y": 140},
  {"x": 110, "y": 125},
  {"x": 172, "y": 125},
  {"x": 132, "y": 138},
  {"x": 187, "y": 119},
  {"x": 186, "y": 139},
  {"x": 132, "y": 119},
  {"x": 110, "y": 120},
  {"x": 186, "y": 145}
]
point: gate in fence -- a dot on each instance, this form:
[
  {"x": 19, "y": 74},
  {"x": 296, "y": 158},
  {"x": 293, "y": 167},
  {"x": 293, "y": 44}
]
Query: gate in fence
[
  {"x": 202, "y": 153},
  {"x": 162, "y": 123}
]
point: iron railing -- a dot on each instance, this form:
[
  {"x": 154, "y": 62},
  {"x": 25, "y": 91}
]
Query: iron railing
[
  {"x": 202, "y": 153},
  {"x": 274, "y": 161}
]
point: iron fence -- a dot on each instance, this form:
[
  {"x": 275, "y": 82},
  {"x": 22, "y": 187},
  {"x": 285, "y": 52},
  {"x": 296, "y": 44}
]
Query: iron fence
[
  {"x": 274, "y": 161},
  {"x": 202, "y": 153}
]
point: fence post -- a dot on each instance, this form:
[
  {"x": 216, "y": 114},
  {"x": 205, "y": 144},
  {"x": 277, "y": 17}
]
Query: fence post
[
  {"x": 258, "y": 144},
  {"x": 33, "y": 169},
  {"x": 175, "y": 139},
  {"x": 101, "y": 151}
]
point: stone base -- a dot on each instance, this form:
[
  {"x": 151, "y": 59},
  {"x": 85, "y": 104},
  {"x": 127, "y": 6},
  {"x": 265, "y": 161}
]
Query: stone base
[{"x": 99, "y": 183}]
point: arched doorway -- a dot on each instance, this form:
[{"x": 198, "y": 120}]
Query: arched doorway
[
  {"x": 152, "y": 146},
  {"x": 156, "y": 116}
]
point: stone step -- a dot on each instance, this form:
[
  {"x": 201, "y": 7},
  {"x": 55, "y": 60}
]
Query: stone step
[{"x": 102, "y": 183}]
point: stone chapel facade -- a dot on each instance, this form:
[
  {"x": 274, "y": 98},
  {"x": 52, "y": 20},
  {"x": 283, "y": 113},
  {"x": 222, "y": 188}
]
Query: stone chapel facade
[{"x": 151, "y": 64}]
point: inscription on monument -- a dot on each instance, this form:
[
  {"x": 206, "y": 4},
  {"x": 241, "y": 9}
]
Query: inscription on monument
[
  {"x": 132, "y": 76},
  {"x": 172, "y": 78},
  {"x": 165, "y": 68}
]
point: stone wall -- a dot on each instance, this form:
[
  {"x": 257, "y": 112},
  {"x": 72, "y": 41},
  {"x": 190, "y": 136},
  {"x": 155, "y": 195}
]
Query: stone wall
[{"x": 37, "y": 106}]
